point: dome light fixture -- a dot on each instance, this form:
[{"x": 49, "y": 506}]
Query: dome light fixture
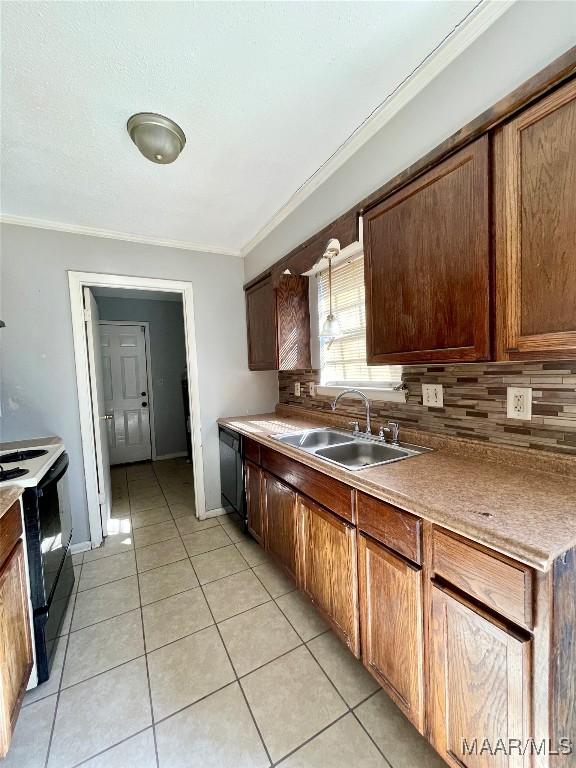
[{"x": 157, "y": 137}]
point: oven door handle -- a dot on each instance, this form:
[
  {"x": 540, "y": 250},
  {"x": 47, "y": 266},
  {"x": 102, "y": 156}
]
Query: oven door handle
[{"x": 54, "y": 473}]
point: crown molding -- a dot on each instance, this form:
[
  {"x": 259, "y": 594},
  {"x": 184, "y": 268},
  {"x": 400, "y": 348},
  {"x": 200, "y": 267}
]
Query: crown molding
[
  {"x": 477, "y": 22},
  {"x": 73, "y": 229}
]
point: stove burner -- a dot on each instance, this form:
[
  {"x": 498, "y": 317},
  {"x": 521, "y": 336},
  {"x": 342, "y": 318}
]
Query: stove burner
[
  {"x": 13, "y": 456},
  {"x": 12, "y": 474}
]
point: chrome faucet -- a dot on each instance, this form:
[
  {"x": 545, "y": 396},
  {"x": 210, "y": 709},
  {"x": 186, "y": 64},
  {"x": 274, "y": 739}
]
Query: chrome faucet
[
  {"x": 363, "y": 396},
  {"x": 393, "y": 428}
]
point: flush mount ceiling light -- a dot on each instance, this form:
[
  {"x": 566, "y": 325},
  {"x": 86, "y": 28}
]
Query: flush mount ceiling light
[
  {"x": 157, "y": 137},
  {"x": 331, "y": 328}
]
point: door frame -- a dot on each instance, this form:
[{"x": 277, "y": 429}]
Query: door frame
[
  {"x": 77, "y": 281},
  {"x": 146, "y": 324}
]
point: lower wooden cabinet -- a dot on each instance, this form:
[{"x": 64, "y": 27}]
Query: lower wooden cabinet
[
  {"x": 391, "y": 616},
  {"x": 328, "y": 569},
  {"x": 15, "y": 642},
  {"x": 281, "y": 528},
  {"x": 479, "y": 684},
  {"x": 254, "y": 506}
]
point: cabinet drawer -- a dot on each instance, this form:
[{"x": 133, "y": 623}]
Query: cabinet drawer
[
  {"x": 251, "y": 450},
  {"x": 500, "y": 583},
  {"x": 397, "y": 529},
  {"x": 328, "y": 492},
  {"x": 10, "y": 531}
]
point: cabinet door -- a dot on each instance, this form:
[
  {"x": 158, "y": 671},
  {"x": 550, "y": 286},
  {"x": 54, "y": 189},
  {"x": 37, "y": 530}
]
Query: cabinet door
[
  {"x": 293, "y": 312},
  {"x": 281, "y": 528},
  {"x": 427, "y": 265},
  {"x": 328, "y": 569},
  {"x": 253, "y": 480},
  {"x": 15, "y": 643},
  {"x": 261, "y": 326},
  {"x": 479, "y": 686},
  {"x": 535, "y": 165},
  {"x": 392, "y": 626}
]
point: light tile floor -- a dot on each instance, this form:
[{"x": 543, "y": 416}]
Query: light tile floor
[{"x": 186, "y": 647}]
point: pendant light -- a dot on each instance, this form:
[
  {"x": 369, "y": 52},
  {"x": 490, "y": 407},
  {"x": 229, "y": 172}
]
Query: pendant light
[{"x": 331, "y": 327}]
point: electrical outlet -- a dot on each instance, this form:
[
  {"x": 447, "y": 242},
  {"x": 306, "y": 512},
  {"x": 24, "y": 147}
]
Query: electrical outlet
[
  {"x": 297, "y": 389},
  {"x": 312, "y": 389},
  {"x": 433, "y": 395},
  {"x": 519, "y": 403}
]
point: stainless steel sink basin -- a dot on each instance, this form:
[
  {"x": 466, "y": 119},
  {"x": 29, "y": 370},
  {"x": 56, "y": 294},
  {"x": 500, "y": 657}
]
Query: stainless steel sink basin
[
  {"x": 315, "y": 438},
  {"x": 363, "y": 453},
  {"x": 349, "y": 450}
]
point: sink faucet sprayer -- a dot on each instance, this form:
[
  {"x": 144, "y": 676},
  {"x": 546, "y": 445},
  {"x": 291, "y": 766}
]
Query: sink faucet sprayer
[{"x": 363, "y": 396}]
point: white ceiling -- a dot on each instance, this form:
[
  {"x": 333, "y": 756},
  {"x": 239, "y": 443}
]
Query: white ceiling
[{"x": 265, "y": 92}]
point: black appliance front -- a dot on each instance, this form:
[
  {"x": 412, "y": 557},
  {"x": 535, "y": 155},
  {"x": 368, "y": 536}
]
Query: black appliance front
[
  {"x": 232, "y": 473},
  {"x": 48, "y": 522}
]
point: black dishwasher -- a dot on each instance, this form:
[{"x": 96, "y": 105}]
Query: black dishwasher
[{"x": 232, "y": 473}]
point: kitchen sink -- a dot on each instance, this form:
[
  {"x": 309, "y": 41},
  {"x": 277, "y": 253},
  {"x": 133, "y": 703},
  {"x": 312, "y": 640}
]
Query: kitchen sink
[{"x": 349, "y": 450}]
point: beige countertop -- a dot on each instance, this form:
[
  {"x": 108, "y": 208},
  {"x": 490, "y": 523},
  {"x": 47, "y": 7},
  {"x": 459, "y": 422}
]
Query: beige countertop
[
  {"x": 8, "y": 495},
  {"x": 507, "y": 505}
]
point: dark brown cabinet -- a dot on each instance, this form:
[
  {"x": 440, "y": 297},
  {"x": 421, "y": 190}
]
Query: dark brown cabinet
[
  {"x": 479, "y": 684},
  {"x": 391, "y": 595},
  {"x": 255, "y": 511},
  {"x": 281, "y": 523},
  {"x": 328, "y": 569},
  {"x": 278, "y": 324},
  {"x": 427, "y": 265},
  {"x": 535, "y": 213},
  {"x": 15, "y": 638}
]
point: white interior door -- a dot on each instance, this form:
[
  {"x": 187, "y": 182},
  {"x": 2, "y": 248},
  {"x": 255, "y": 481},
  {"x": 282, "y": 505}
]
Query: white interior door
[
  {"x": 98, "y": 407},
  {"x": 126, "y": 392}
]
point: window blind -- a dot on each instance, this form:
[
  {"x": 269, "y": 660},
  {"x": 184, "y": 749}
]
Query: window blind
[{"x": 343, "y": 360}]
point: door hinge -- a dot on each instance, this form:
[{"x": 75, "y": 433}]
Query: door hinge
[
  {"x": 87, "y": 315},
  {"x": 101, "y": 497}
]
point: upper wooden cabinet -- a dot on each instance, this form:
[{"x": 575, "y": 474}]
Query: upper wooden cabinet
[
  {"x": 427, "y": 265},
  {"x": 535, "y": 213},
  {"x": 278, "y": 323}
]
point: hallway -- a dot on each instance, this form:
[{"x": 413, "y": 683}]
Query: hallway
[{"x": 186, "y": 646}]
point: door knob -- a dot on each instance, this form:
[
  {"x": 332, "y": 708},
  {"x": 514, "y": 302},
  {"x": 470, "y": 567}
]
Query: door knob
[{"x": 108, "y": 417}]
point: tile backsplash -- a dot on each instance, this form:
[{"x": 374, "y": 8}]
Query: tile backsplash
[{"x": 474, "y": 402}]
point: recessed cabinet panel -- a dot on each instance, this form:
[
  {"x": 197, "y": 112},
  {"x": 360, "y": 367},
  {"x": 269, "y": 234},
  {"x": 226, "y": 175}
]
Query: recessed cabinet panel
[
  {"x": 328, "y": 572},
  {"x": 255, "y": 512},
  {"x": 427, "y": 265},
  {"x": 535, "y": 211},
  {"x": 281, "y": 528},
  {"x": 261, "y": 322},
  {"x": 392, "y": 625},
  {"x": 480, "y": 689}
]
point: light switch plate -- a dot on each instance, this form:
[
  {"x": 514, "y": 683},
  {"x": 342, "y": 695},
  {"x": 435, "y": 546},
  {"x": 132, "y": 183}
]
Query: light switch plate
[
  {"x": 519, "y": 403},
  {"x": 433, "y": 395},
  {"x": 297, "y": 389}
]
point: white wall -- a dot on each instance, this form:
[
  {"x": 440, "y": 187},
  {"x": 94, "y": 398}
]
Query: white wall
[
  {"x": 37, "y": 366},
  {"x": 520, "y": 43}
]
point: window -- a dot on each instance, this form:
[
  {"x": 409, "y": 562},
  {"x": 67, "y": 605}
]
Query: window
[{"x": 343, "y": 360}]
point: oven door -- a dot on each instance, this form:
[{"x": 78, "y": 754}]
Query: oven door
[{"x": 55, "y": 521}]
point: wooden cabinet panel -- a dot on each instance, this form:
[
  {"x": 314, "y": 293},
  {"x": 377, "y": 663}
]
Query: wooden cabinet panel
[
  {"x": 278, "y": 324},
  {"x": 328, "y": 492},
  {"x": 392, "y": 626},
  {"x": 495, "y": 580},
  {"x": 281, "y": 527},
  {"x": 397, "y": 529},
  {"x": 261, "y": 326},
  {"x": 427, "y": 265},
  {"x": 254, "y": 506},
  {"x": 479, "y": 684},
  {"x": 10, "y": 530},
  {"x": 293, "y": 313},
  {"x": 15, "y": 642},
  {"x": 328, "y": 569},
  {"x": 251, "y": 450},
  {"x": 535, "y": 211}
]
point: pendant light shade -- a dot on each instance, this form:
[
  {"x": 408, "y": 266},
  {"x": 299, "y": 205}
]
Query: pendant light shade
[
  {"x": 157, "y": 137},
  {"x": 331, "y": 327}
]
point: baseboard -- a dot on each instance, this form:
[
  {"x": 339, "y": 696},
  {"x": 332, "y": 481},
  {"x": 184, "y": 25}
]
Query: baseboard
[
  {"x": 214, "y": 513},
  {"x": 80, "y": 546},
  {"x": 165, "y": 456}
]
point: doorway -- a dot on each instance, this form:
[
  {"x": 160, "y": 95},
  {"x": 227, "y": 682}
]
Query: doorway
[{"x": 115, "y": 369}]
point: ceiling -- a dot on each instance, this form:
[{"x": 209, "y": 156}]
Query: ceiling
[{"x": 266, "y": 92}]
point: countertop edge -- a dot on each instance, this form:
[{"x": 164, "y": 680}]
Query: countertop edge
[{"x": 537, "y": 559}]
